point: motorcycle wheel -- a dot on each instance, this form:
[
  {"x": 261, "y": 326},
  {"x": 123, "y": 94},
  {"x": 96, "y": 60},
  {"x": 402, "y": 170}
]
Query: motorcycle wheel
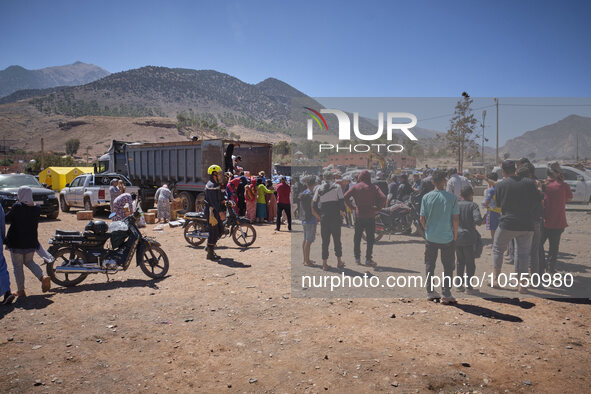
[
  {"x": 64, "y": 256},
  {"x": 154, "y": 262},
  {"x": 192, "y": 227},
  {"x": 244, "y": 235}
]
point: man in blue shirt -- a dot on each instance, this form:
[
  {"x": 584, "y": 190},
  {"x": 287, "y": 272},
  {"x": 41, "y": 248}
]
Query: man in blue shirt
[{"x": 440, "y": 218}]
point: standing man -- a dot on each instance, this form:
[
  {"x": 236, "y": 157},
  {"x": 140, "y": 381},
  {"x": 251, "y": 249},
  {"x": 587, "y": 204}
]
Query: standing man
[
  {"x": 309, "y": 217},
  {"x": 518, "y": 198},
  {"x": 456, "y": 183},
  {"x": 329, "y": 204},
  {"x": 214, "y": 205},
  {"x": 440, "y": 219},
  {"x": 369, "y": 199},
  {"x": 283, "y": 202}
]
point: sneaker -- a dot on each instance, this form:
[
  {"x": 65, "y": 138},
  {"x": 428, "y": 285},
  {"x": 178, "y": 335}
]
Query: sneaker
[
  {"x": 461, "y": 289},
  {"x": 448, "y": 300},
  {"x": 8, "y": 298},
  {"x": 371, "y": 263},
  {"x": 432, "y": 296},
  {"x": 357, "y": 260},
  {"x": 472, "y": 291}
]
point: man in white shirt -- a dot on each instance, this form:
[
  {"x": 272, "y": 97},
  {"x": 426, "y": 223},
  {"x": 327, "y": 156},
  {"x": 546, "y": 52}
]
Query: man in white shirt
[{"x": 456, "y": 182}]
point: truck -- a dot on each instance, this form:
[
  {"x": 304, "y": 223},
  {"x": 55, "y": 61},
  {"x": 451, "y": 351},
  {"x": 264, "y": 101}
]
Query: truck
[
  {"x": 181, "y": 165},
  {"x": 91, "y": 191}
]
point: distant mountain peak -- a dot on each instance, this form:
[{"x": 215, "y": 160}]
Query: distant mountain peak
[{"x": 16, "y": 78}]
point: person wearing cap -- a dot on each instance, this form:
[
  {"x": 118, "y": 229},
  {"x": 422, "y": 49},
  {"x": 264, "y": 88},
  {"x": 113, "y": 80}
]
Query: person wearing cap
[
  {"x": 369, "y": 199},
  {"x": 329, "y": 204},
  {"x": 439, "y": 217},
  {"x": 517, "y": 197},
  {"x": 456, "y": 182},
  {"x": 556, "y": 194}
]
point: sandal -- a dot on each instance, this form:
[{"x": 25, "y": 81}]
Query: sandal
[
  {"x": 341, "y": 264},
  {"x": 45, "y": 284}
]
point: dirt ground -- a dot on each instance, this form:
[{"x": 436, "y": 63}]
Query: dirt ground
[{"x": 234, "y": 326}]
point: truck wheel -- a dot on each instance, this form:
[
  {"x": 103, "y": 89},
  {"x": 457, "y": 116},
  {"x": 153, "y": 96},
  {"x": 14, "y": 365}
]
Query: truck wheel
[
  {"x": 88, "y": 205},
  {"x": 188, "y": 201},
  {"x": 53, "y": 215},
  {"x": 63, "y": 205}
]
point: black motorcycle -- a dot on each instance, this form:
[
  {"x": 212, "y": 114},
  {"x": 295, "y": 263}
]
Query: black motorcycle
[
  {"x": 79, "y": 254},
  {"x": 240, "y": 228},
  {"x": 399, "y": 218}
]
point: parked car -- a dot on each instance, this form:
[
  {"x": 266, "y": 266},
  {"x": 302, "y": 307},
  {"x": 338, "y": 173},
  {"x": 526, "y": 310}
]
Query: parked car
[
  {"x": 579, "y": 181},
  {"x": 91, "y": 191},
  {"x": 46, "y": 199}
]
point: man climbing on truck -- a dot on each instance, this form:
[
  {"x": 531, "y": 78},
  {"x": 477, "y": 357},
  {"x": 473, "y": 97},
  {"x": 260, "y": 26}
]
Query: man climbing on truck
[{"x": 214, "y": 205}]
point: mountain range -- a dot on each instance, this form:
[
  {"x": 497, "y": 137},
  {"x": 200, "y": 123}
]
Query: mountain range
[
  {"x": 153, "y": 103},
  {"x": 15, "y": 78}
]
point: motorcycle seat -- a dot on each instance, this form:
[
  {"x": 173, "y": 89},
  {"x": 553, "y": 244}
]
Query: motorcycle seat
[
  {"x": 64, "y": 232},
  {"x": 194, "y": 215}
]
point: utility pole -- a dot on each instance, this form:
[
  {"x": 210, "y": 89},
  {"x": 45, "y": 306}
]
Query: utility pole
[
  {"x": 483, "y": 118},
  {"x": 577, "y": 156},
  {"x": 42, "y": 155},
  {"x": 497, "y": 102}
]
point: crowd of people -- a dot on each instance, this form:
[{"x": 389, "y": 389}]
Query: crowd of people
[{"x": 521, "y": 213}]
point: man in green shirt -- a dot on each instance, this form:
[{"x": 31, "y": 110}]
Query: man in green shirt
[{"x": 440, "y": 218}]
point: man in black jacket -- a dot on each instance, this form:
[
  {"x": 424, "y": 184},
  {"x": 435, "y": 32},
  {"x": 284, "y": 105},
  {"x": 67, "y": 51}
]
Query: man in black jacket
[{"x": 214, "y": 205}]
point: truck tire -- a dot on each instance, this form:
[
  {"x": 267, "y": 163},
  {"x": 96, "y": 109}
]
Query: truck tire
[
  {"x": 64, "y": 205},
  {"x": 188, "y": 201},
  {"x": 88, "y": 205},
  {"x": 53, "y": 215}
]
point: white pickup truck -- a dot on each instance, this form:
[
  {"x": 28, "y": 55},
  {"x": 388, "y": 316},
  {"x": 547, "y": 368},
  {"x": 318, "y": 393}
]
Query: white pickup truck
[{"x": 91, "y": 191}]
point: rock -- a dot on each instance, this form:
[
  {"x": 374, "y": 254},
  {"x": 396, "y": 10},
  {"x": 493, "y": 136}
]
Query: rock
[
  {"x": 394, "y": 384},
  {"x": 527, "y": 382},
  {"x": 36, "y": 347},
  {"x": 229, "y": 385},
  {"x": 38, "y": 383},
  {"x": 326, "y": 356},
  {"x": 190, "y": 319},
  {"x": 465, "y": 364},
  {"x": 10, "y": 339},
  {"x": 393, "y": 316},
  {"x": 569, "y": 347},
  {"x": 252, "y": 380}
]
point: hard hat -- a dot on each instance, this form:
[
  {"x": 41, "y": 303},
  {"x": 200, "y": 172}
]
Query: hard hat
[{"x": 214, "y": 168}]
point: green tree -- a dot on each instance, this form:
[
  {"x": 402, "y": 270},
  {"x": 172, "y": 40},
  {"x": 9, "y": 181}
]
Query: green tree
[
  {"x": 72, "y": 146},
  {"x": 282, "y": 148},
  {"x": 460, "y": 136}
]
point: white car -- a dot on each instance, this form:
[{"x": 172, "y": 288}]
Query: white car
[{"x": 579, "y": 181}]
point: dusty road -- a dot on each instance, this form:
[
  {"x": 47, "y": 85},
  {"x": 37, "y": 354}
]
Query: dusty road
[{"x": 234, "y": 326}]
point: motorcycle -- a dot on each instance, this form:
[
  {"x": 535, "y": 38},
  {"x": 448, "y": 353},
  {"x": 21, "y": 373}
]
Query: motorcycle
[
  {"x": 240, "y": 228},
  {"x": 79, "y": 254},
  {"x": 399, "y": 218}
]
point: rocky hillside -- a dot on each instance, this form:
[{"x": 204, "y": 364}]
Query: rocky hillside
[{"x": 554, "y": 141}]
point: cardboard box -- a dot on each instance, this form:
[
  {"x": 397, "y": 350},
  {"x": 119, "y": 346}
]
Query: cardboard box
[
  {"x": 154, "y": 211},
  {"x": 84, "y": 215},
  {"x": 176, "y": 204},
  {"x": 150, "y": 218}
]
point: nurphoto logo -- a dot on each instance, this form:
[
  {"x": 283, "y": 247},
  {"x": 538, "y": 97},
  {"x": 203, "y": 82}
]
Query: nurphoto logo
[{"x": 344, "y": 131}]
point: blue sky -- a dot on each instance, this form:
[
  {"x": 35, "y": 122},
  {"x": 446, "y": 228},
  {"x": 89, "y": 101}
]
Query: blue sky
[{"x": 323, "y": 48}]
